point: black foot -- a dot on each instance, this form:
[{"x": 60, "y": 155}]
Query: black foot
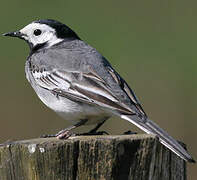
[
  {"x": 129, "y": 132},
  {"x": 92, "y": 133}
]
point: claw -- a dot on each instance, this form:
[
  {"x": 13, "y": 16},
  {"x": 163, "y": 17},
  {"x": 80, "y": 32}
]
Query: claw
[
  {"x": 64, "y": 135},
  {"x": 48, "y": 135},
  {"x": 93, "y": 133},
  {"x": 129, "y": 132}
]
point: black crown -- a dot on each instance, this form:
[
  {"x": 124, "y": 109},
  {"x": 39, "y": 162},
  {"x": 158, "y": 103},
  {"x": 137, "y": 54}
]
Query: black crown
[{"x": 62, "y": 31}]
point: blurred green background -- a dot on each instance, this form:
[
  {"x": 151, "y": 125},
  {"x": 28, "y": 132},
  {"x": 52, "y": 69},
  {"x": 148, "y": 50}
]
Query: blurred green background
[{"x": 152, "y": 44}]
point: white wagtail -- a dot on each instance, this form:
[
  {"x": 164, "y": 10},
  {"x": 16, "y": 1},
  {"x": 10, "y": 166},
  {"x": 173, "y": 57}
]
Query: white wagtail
[{"x": 79, "y": 84}]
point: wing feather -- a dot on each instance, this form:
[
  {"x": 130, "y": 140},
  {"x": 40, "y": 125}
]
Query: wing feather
[
  {"x": 128, "y": 91},
  {"x": 85, "y": 87}
]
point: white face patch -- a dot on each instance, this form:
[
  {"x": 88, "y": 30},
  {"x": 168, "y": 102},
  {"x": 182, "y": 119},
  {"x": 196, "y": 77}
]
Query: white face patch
[{"x": 47, "y": 35}]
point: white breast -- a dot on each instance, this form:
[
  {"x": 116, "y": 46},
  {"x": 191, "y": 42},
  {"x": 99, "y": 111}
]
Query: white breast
[{"x": 70, "y": 110}]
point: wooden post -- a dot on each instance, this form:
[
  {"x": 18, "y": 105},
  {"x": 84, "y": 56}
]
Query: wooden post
[{"x": 125, "y": 157}]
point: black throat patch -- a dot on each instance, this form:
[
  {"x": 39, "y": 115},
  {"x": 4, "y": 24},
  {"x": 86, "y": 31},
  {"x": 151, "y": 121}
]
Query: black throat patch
[{"x": 33, "y": 49}]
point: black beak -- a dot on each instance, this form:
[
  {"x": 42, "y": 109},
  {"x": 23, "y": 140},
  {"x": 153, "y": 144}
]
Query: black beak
[{"x": 14, "y": 34}]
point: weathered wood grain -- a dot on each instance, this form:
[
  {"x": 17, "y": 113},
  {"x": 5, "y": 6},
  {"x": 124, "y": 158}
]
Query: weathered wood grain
[{"x": 125, "y": 157}]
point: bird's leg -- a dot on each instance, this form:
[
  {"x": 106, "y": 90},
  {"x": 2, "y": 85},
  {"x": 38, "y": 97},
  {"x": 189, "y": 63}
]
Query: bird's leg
[
  {"x": 94, "y": 130},
  {"x": 65, "y": 133}
]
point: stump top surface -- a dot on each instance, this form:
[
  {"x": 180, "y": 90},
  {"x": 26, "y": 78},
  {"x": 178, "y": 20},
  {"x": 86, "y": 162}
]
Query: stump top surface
[{"x": 78, "y": 138}]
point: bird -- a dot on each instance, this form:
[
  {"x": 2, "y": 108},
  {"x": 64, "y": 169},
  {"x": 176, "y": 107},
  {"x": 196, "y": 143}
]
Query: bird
[{"x": 77, "y": 82}]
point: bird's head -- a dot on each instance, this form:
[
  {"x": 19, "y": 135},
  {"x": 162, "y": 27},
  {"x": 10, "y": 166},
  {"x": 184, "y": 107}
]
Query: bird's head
[{"x": 44, "y": 33}]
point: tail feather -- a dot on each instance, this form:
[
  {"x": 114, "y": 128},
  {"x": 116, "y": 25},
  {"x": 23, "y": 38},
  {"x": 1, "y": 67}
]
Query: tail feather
[{"x": 151, "y": 128}]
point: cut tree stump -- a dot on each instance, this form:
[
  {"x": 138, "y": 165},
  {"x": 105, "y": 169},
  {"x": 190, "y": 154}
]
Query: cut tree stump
[{"x": 124, "y": 157}]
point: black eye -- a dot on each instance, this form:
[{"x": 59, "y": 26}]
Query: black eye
[{"x": 37, "y": 32}]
